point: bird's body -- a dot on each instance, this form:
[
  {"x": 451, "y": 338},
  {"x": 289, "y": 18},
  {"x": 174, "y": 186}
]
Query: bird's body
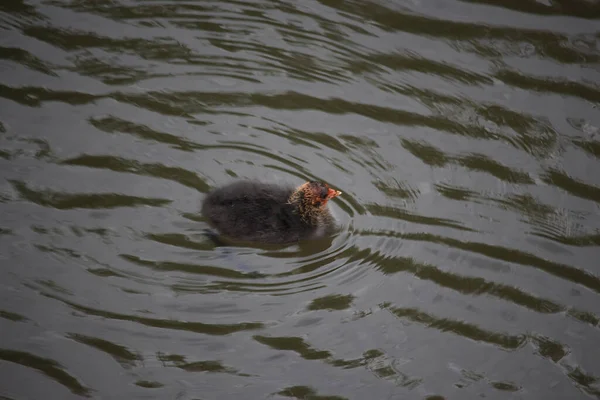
[{"x": 269, "y": 213}]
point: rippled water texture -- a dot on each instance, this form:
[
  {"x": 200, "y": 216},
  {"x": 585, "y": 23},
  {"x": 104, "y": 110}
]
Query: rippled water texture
[{"x": 465, "y": 135}]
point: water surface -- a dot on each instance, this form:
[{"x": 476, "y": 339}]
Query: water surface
[{"x": 465, "y": 136}]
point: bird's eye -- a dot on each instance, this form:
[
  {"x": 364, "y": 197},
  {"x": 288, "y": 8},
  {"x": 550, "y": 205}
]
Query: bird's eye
[{"x": 324, "y": 193}]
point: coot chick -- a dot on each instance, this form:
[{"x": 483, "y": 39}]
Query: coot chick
[{"x": 261, "y": 212}]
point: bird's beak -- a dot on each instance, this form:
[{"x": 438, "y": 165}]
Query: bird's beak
[{"x": 333, "y": 193}]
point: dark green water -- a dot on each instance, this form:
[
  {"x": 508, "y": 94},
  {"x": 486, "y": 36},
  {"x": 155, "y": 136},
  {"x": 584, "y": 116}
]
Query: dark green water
[{"x": 465, "y": 136}]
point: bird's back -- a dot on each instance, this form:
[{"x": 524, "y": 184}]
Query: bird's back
[{"x": 254, "y": 211}]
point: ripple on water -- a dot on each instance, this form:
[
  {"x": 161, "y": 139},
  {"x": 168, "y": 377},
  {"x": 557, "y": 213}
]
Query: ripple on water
[{"x": 464, "y": 141}]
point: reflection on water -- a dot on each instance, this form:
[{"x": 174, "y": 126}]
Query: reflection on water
[{"x": 464, "y": 135}]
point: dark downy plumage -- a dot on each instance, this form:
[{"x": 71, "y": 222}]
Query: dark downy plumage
[{"x": 268, "y": 213}]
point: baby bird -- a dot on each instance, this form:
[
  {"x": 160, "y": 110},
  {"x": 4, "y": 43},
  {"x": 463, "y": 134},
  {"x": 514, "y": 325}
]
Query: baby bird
[{"x": 268, "y": 213}]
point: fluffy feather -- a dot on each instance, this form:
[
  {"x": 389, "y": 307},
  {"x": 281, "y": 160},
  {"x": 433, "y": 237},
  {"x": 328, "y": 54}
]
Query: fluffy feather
[{"x": 262, "y": 212}]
